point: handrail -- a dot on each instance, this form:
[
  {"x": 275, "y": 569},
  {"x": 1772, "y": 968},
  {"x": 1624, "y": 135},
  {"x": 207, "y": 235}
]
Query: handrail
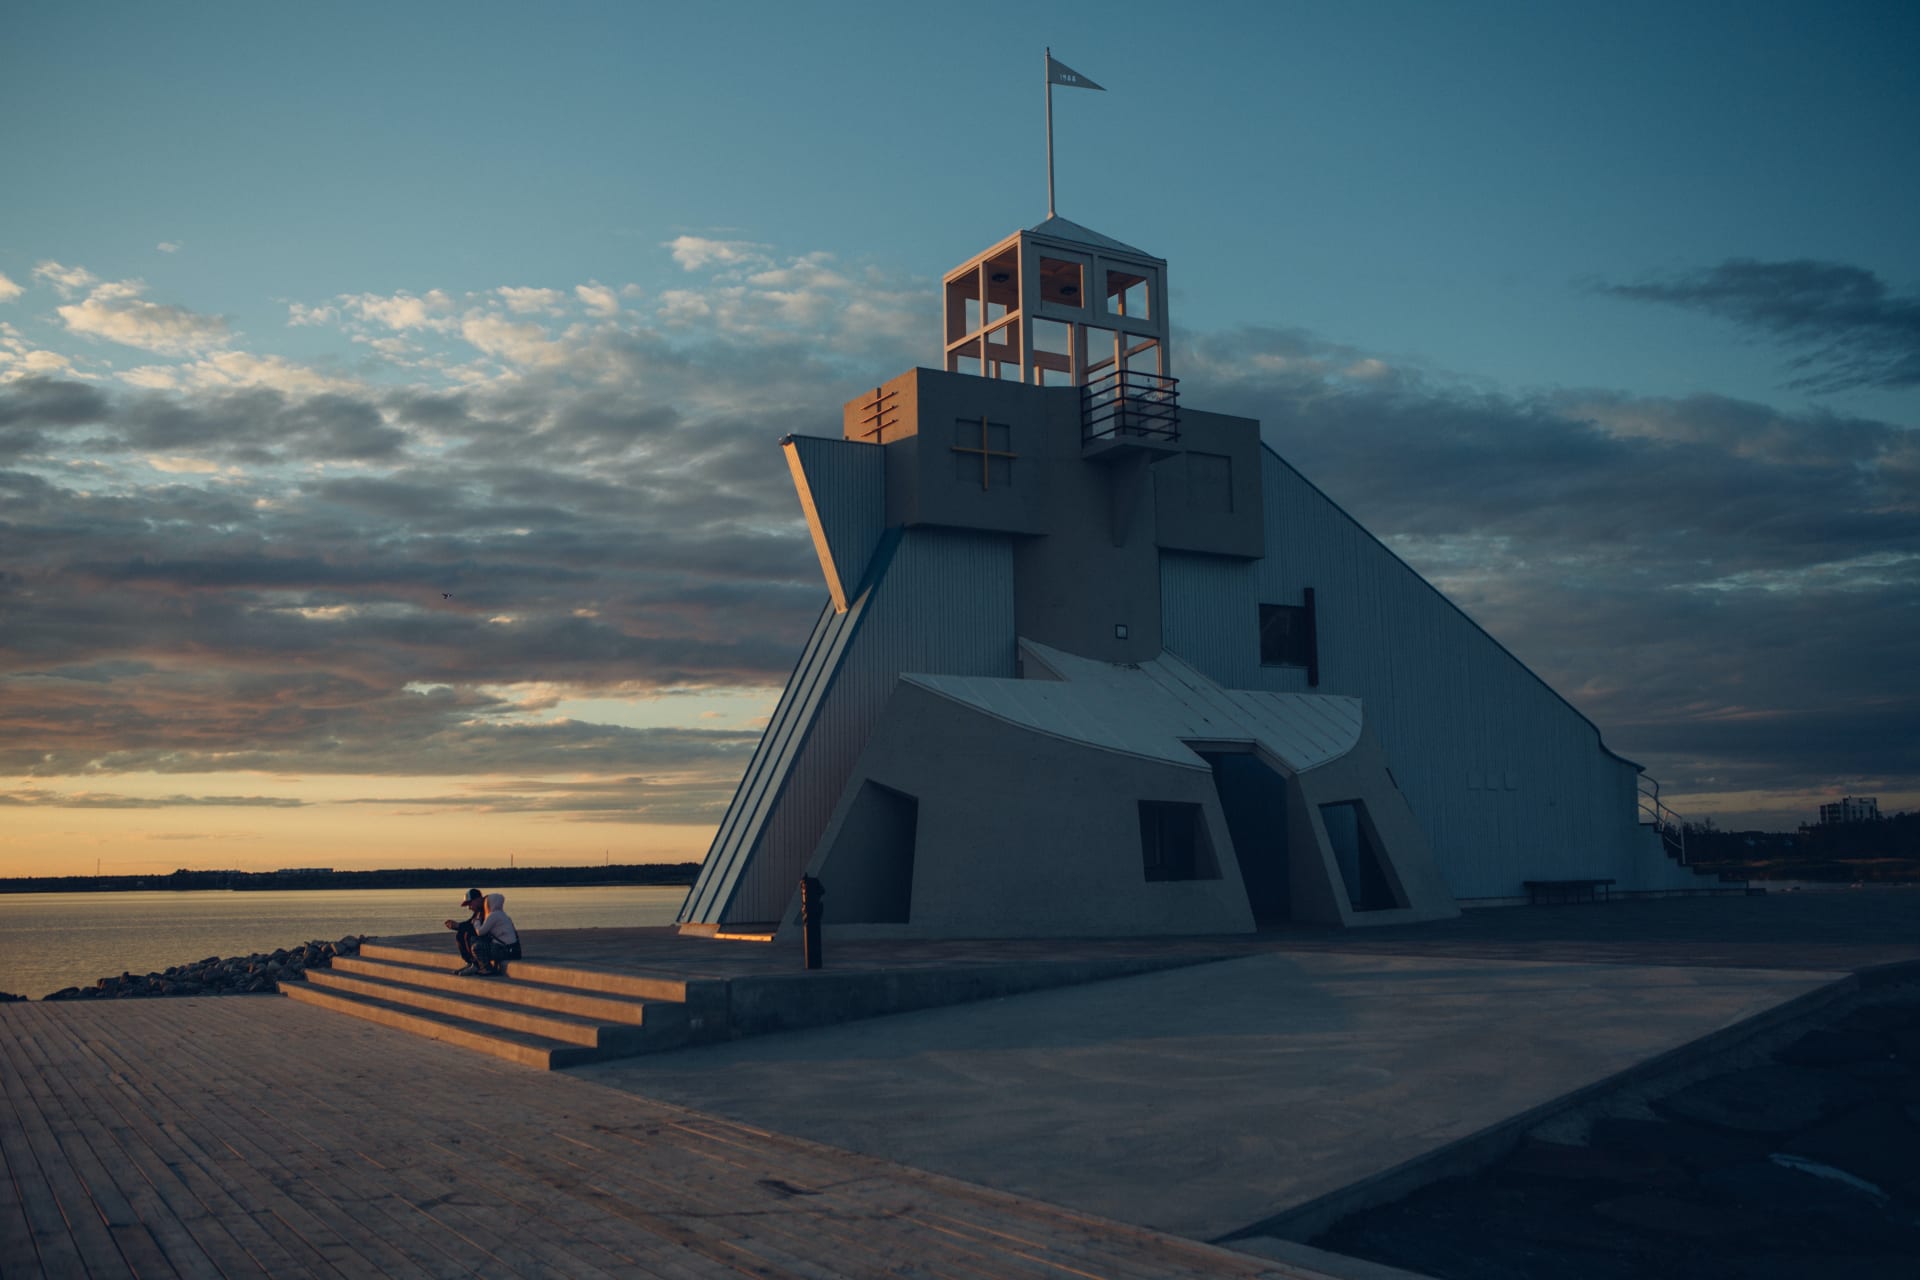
[
  {"x": 1130, "y": 403},
  {"x": 1655, "y": 813}
]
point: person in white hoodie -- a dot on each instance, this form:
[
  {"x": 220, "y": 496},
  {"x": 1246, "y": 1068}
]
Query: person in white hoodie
[{"x": 494, "y": 939}]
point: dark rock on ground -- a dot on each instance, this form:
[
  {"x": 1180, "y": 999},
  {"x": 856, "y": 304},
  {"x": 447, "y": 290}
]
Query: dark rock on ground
[
  {"x": 1769, "y": 1099},
  {"x": 235, "y": 975}
]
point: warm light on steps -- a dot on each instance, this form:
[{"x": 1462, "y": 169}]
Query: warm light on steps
[{"x": 541, "y": 1014}]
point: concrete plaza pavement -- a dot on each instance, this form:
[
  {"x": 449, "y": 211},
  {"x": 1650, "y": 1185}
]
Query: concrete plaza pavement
[{"x": 1202, "y": 1100}]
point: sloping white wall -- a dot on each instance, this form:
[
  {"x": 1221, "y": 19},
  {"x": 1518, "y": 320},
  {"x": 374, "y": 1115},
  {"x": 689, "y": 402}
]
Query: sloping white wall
[
  {"x": 943, "y": 602},
  {"x": 1509, "y": 780}
]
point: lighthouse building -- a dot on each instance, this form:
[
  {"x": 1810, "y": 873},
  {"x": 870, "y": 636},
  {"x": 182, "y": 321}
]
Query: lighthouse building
[{"x": 1096, "y": 662}]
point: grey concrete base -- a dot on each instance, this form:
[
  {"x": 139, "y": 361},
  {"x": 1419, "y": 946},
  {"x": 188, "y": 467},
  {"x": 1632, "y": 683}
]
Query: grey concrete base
[{"x": 1202, "y": 1101}]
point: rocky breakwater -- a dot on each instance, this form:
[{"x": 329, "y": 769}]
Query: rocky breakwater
[{"x": 259, "y": 973}]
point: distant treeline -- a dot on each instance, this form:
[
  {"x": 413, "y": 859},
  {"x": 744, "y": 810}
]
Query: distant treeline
[
  {"x": 660, "y": 873},
  {"x": 1885, "y": 849}
]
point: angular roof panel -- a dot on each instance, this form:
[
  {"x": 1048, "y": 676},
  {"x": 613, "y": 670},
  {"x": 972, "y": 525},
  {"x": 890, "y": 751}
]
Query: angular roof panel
[
  {"x": 1061, "y": 229},
  {"x": 1156, "y": 708}
]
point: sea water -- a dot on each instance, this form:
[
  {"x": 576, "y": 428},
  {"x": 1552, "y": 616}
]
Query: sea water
[{"x": 53, "y": 940}]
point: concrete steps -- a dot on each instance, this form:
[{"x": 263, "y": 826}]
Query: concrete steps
[{"x": 542, "y": 1015}]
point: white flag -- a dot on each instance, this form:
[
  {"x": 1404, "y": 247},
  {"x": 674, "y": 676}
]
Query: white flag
[{"x": 1059, "y": 72}]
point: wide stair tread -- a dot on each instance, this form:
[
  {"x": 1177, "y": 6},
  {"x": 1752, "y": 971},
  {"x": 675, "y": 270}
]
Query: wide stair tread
[
  {"x": 620, "y": 982},
  {"x": 520, "y": 990},
  {"x": 544, "y": 1015},
  {"x": 500, "y": 1042},
  {"x": 484, "y": 1000}
]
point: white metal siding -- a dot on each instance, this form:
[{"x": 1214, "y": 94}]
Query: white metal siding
[{"x": 1450, "y": 705}]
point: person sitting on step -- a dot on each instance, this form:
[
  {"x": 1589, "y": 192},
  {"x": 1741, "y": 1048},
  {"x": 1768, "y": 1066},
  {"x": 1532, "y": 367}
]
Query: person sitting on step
[
  {"x": 475, "y": 905},
  {"x": 495, "y": 940}
]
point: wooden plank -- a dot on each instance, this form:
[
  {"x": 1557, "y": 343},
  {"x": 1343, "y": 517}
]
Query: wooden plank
[
  {"x": 150, "y": 1238},
  {"x": 59, "y": 1197},
  {"x": 230, "y": 1216},
  {"x": 508, "y": 1231},
  {"x": 48, "y": 1242},
  {"x": 295, "y": 1206},
  {"x": 510, "y": 1225},
  {"x": 231, "y": 1209},
  {"x": 387, "y": 1151}
]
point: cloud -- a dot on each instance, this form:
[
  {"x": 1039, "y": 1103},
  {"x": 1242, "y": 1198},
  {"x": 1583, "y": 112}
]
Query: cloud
[
  {"x": 694, "y": 253},
  {"x": 67, "y": 280},
  {"x": 299, "y": 314},
  {"x": 116, "y": 311},
  {"x": 20, "y": 359},
  {"x": 43, "y": 798},
  {"x": 403, "y": 310},
  {"x": 1852, "y": 330},
  {"x": 249, "y": 564},
  {"x": 9, "y": 290},
  {"x": 531, "y": 302},
  {"x": 168, "y": 246},
  {"x": 598, "y": 299},
  {"x": 520, "y": 344}
]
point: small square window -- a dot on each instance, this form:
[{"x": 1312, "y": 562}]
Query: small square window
[
  {"x": 1173, "y": 842},
  {"x": 1288, "y": 639},
  {"x": 963, "y": 305},
  {"x": 1126, "y": 293},
  {"x": 1061, "y": 283}
]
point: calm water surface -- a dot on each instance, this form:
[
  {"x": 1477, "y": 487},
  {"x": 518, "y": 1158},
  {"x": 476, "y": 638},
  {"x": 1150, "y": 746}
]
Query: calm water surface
[{"x": 54, "y": 940}]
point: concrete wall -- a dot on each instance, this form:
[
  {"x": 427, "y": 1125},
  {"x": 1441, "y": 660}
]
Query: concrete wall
[
  {"x": 1186, "y": 519},
  {"x": 1024, "y": 835}
]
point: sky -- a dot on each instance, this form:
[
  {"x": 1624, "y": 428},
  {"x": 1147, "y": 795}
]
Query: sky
[{"x": 390, "y": 394}]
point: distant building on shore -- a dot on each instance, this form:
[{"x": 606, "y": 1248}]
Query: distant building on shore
[{"x": 1850, "y": 809}]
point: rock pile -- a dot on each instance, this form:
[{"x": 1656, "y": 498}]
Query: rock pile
[{"x": 234, "y": 976}]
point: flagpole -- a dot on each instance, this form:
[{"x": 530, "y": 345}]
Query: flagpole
[{"x": 1047, "y": 75}]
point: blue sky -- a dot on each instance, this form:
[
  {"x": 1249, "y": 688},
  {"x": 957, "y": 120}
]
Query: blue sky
[{"x": 1614, "y": 273}]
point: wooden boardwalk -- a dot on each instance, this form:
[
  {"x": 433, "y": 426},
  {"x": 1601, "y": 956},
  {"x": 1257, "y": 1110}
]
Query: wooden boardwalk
[{"x": 258, "y": 1137}]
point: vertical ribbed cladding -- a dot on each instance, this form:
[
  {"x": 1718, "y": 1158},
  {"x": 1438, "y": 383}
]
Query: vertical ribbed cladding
[
  {"x": 843, "y": 494},
  {"x": 1209, "y": 616},
  {"x": 1458, "y": 715},
  {"x": 784, "y": 732},
  {"x": 938, "y": 601}
]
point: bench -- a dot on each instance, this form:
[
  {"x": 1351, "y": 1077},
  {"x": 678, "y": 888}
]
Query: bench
[{"x": 1539, "y": 891}]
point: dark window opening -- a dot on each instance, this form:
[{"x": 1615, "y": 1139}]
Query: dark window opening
[
  {"x": 1354, "y": 852},
  {"x": 870, "y": 870},
  {"x": 1174, "y": 843},
  {"x": 1288, "y": 637}
]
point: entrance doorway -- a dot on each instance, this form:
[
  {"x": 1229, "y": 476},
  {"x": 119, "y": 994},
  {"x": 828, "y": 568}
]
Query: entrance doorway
[{"x": 1253, "y": 798}]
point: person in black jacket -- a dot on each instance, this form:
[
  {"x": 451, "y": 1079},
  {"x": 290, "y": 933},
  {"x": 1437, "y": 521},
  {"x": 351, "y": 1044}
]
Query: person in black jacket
[{"x": 464, "y": 930}]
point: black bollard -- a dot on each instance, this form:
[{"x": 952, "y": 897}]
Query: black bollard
[{"x": 812, "y": 907}]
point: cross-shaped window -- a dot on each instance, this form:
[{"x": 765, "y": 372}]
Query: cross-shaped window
[{"x": 991, "y": 443}]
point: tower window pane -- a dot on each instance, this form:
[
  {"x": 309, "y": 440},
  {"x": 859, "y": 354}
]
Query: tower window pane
[{"x": 1061, "y": 283}]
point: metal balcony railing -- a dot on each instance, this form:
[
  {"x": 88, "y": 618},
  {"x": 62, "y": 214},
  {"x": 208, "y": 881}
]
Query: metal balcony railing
[
  {"x": 1129, "y": 405},
  {"x": 1654, "y": 813}
]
